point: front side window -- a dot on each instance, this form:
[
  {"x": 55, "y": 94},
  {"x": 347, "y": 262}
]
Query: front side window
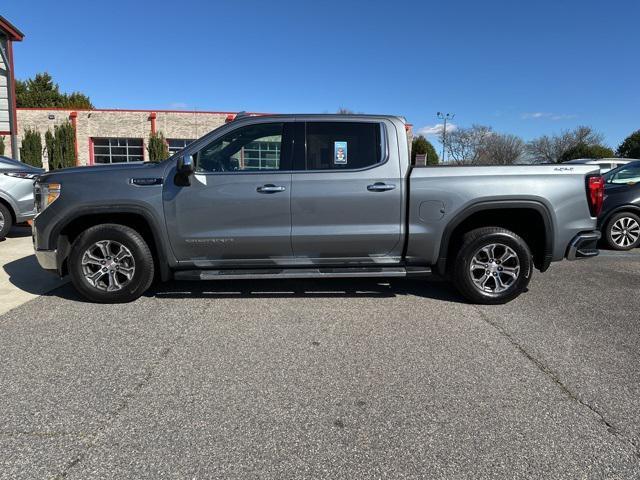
[
  {"x": 117, "y": 150},
  {"x": 342, "y": 145},
  {"x": 251, "y": 148},
  {"x": 629, "y": 174}
]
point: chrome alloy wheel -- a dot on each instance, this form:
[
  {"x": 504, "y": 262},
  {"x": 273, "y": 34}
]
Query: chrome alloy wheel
[
  {"x": 494, "y": 268},
  {"x": 625, "y": 232},
  {"x": 1, "y": 221},
  {"x": 108, "y": 265}
]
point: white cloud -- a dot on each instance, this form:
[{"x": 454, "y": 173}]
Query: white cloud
[
  {"x": 435, "y": 130},
  {"x": 547, "y": 115}
]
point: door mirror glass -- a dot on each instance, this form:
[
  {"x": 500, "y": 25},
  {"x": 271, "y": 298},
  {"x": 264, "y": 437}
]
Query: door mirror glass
[{"x": 185, "y": 165}]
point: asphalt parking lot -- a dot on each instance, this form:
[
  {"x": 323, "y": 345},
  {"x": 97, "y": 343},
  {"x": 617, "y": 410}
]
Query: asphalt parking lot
[{"x": 326, "y": 379}]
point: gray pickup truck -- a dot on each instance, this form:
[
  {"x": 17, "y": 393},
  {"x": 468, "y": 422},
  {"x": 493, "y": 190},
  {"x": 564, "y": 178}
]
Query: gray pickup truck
[{"x": 305, "y": 196}]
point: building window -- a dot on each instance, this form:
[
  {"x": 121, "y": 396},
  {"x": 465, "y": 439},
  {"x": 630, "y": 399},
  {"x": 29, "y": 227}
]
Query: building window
[
  {"x": 117, "y": 150},
  {"x": 177, "y": 144},
  {"x": 263, "y": 154},
  {"x": 250, "y": 148}
]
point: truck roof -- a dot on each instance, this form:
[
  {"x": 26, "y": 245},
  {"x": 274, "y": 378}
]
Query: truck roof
[{"x": 324, "y": 116}]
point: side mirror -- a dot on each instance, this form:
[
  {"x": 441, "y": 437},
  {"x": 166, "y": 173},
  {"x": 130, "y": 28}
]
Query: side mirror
[
  {"x": 184, "y": 169},
  {"x": 186, "y": 165}
]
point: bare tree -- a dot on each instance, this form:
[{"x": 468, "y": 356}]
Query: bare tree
[
  {"x": 550, "y": 149},
  {"x": 344, "y": 111},
  {"x": 501, "y": 149},
  {"x": 465, "y": 145}
]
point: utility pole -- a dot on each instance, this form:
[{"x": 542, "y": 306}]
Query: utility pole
[{"x": 445, "y": 117}]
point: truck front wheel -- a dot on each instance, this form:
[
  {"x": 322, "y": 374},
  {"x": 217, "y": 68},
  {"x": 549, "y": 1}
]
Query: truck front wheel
[
  {"x": 111, "y": 263},
  {"x": 493, "y": 266}
]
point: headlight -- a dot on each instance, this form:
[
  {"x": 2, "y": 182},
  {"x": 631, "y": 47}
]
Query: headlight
[
  {"x": 25, "y": 175},
  {"x": 45, "y": 194}
]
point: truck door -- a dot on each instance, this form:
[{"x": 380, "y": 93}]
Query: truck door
[
  {"x": 237, "y": 208},
  {"x": 346, "y": 202}
]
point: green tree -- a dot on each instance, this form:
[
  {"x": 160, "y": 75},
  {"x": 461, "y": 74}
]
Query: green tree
[
  {"x": 583, "y": 150},
  {"x": 61, "y": 148},
  {"x": 66, "y": 138},
  {"x": 50, "y": 146},
  {"x": 42, "y": 92},
  {"x": 554, "y": 148},
  {"x": 158, "y": 148},
  {"x": 31, "y": 150},
  {"x": 630, "y": 147},
  {"x": 1, "y": 145},
  {"x": 421, "y": 145}
]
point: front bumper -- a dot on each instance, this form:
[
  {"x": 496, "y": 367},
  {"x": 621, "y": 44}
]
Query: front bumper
[
  {"x": 48, "y": 259},
  {"x": 583, "y": 245}
]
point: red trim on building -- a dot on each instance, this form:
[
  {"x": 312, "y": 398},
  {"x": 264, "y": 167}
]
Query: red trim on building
[
  {"x": 91, "y": 161},
  {"x": 74, "y": 123},
  {"x": 152, "y": 117},
  {"x": 190, "y": 112},
  {"x": 229, "y": 118},
  {"x": 13, "y": 33},
  {"x": 12, "y": 81},
  {"x": 5, "y": 133}
]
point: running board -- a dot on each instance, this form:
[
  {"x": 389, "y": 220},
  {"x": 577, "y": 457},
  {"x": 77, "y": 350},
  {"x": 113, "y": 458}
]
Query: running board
[{"x": 343, "y": 272}]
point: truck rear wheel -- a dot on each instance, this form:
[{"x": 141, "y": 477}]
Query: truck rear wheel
[
  {"x": 493, "y": 266},
  {"x": 111, "y": 263}
]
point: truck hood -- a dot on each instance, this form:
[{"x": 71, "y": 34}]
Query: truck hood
[{"x": 109, "y": 170}]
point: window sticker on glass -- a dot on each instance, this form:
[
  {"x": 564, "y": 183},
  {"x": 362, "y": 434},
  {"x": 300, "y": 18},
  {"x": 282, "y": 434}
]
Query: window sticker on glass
[{"x": 340, "y": 155}]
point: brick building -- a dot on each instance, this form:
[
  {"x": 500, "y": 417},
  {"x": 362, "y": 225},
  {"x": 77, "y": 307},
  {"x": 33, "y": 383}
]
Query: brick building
[
  {"x": 106, "y": 136},
  {"x": 112, "y": 135},
  {"x": 8, "y": 128}
]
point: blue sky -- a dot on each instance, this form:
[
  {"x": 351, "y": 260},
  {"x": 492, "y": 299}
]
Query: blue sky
[{"x": 527, "y": 68}]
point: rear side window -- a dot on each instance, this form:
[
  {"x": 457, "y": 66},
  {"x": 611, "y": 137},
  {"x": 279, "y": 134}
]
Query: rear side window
[{"x": 342, "y": 145}]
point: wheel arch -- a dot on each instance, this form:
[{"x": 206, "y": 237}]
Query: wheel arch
[
  {"x": 491, "y": 213},
  {"x": 138, "y": 218},
  {"x": 629, "y": 207}
]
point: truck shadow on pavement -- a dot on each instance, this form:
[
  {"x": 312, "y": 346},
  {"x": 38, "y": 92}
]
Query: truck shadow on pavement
[
  {"x": 25, "y": 274},
  {"x": 322, "y": 288}
]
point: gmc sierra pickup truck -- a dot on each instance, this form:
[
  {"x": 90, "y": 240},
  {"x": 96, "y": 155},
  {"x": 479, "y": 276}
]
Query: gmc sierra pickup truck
[{"x": 303, "y": 196}]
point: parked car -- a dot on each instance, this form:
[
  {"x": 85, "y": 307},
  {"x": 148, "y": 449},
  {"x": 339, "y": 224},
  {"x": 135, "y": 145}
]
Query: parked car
[
  {"x": 305, "y": 196},
  {"x": 620, "y": 217},
  {"x": 16, "y": 193},
  {"x": 605, "y": 164}
]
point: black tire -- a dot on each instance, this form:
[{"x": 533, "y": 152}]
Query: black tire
[
  {"x": 6, "y": 220},
  {"x": 517, "y": 278},
  {"x": 618, "y": 240},
  {"x": 138, "y": 254}
]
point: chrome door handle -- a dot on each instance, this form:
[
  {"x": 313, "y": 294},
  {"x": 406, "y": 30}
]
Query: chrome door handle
[
  {"x": 380, "y": 187},
  {"x": 270, "y": 188}
]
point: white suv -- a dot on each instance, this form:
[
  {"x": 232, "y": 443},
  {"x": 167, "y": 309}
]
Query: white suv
[{"x": 605, "y": 164}]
